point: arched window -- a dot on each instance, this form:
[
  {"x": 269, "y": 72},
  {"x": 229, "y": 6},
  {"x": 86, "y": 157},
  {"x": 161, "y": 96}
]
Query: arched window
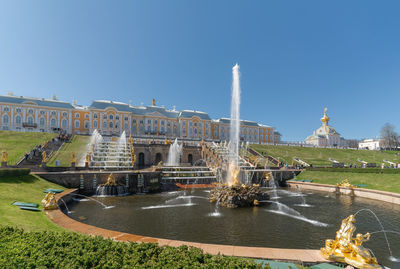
[
  {"x": 53, "y": 122},
  {"x": 77, "y": 124},
  {"x": 5, "y": 119},
  {"x": 111, "y": 124},
  {"x": 77, "y": 115},
  {"x": 30, "y": 120},
  {"x": 95, "y": 116},
  {"x": 41, "y": 122},
  {"x": 18, "y": 120},
  {"x": 30, "y": 111},
  {"x": 95, "y": 124},
  {"x": 111, "y": 117},
  {"x": 86, "y": 124},
  {"x": 104, "y": 124},
  {"x": 64, "y": 124}
]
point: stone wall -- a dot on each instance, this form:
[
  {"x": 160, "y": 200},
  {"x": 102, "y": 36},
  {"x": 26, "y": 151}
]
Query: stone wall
[{"x": 88, "y": 181}]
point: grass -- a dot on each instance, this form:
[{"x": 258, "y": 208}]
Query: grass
[
  {"x": 383, "y": 182},
  {"x": 16, "y": 144},
  {"x": 29, "y": 189},
  {"x": 78, "y": 145},
  {"x": 320, "y": 156}
]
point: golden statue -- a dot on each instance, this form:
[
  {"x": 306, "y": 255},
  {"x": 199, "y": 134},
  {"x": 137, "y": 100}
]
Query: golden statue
[
  {"x": 111, "y": 181},
  {"x": 153, "y": 102},
  {"x": 87, "y": 158},
  {"x": 159, "y": 164},
  {"x": 44, "y": 157},
  {"x": 4, "y": 156},
  {"x": 49, "y": 202},
  {"x": 73, "y": 158},
  {"x": 133, "y": 159},
  {"x": 130, "y": 139},
  {"x": 346, "y": 184},
  {"x": 235, "y": 171},
  {"x": 349, "y": 250}
]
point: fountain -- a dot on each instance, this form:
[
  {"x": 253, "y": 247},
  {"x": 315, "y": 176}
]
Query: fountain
[
  {"x": 109, "y": 153},
  {"x": 174, "y": 154},
  {"x": 111, "y": 188},
  {"x": 234, "y": 193}
]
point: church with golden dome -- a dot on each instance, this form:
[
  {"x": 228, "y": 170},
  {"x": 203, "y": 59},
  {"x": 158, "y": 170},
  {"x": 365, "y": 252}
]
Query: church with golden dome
[{"x": 326, "y": 136}]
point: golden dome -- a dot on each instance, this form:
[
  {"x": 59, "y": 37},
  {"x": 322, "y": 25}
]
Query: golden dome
[{"x": 325, "y": 119}]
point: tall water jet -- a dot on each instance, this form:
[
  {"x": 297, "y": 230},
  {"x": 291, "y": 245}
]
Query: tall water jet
[
  {"x": 174, "y": 154},
  {"x": 233, "y": 145}
]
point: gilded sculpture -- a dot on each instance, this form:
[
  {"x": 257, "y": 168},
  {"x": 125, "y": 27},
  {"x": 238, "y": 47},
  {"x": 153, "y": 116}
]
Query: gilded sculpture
[
  {"x": 49, "y": 202},
  {"x": 346, "y": 184},
  {"x": 4, "y": 156},
  {"x": 73, "y": 160},
  {"x": 348, "y": 249},
  {"x": 44, "y": 157}
]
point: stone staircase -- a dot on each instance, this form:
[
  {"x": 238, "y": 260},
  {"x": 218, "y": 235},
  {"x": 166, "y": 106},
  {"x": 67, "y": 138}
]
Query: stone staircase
[
  {"x": 34, "y": 158},
  {"x": 187, "y": 175}
]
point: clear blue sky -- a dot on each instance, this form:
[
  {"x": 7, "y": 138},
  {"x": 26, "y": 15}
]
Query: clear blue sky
[{"x": 295, "y": 56}]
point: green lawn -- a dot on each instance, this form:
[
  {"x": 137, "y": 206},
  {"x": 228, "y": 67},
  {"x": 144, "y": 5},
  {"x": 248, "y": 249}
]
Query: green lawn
[
  {"x": 78, "y": 145},
  {"x": 383, "y": 182},
  {"x": 320, "y": 156},
  {"x": 29, "y": 189},
  {"x": 16, "y": 144}
]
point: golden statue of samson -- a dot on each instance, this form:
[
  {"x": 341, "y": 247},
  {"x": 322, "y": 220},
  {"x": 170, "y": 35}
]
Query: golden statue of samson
[{"x": 349, "y": 250}]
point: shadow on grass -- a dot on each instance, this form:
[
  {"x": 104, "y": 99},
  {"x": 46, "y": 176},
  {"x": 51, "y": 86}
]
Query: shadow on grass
[{"x": 19, "y": 179}]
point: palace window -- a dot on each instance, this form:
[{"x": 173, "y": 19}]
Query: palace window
[
  {"x": 104, "y": 117},
  {"x": 117, "y": 117},
  {"x": 53, "y": 123},
  {"x": 86, "y": 124},
  {"x": 53, "y": 113},
  {"x": 65, "y": 114},
  {"x": 141, "y": 122},
  {"x": 41, "y": 122},
  {"x": 95, "y": 116},
  {"x": 77, "y": 124},
  {"x": 162, "y": 129},
  {"x": 148, "y": 121},
  {"x": 126, "y": 118},
  {"x": 111, "y": 124},
  {"x": 95, "y": 124},
  {"x": 30, "y": 120},
  {"x": 162, "y": 122},
  {"x": 175, "y": 130},
  {"x": 134, "y": 121},
  {"x": 111, "y": 117},
  {"x": 155, "y": 129},
  {"x": 18, "y": 110},
  {"x": 18, "y": 120},
  {"x": 104, "y": 124},
  {"x": 87, "y": 116},
  {"x": 155, "y": 121},
  {"x": 77, "y": 115},
  {"x": 116, "y": 125},
  {"x": 42, "y": 112},
  {"x": 6, "y": 109},
  {"x": 148, "y": 129},
  {"x": 30, "y": 111},
  {"x": 64, "y": 124},
  {"x": 195, "y": 124},
  {"x": 126, "y": 126}
]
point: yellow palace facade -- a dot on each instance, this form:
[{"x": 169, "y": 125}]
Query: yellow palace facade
[{"x": 19, "y": 113}]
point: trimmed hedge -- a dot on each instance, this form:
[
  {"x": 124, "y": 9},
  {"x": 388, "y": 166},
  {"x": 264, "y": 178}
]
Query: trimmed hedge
[
  {"x": 19, "y": 249},
  {"x": 356, "y": 170},
  {"x": 14, "y": 172}
]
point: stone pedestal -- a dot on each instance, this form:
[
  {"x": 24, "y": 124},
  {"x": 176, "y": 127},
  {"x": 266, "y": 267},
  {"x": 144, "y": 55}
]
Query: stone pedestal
[
  {"x": 86, "y": 165},
  {"x": 3, "y": 164},
  {"x": 73, "y": 166}
]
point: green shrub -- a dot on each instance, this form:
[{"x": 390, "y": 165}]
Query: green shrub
[
  {"x": 14, "y": 172},
  {"x": 356, "y": 170},
  {"x": 19, "y": 249}
]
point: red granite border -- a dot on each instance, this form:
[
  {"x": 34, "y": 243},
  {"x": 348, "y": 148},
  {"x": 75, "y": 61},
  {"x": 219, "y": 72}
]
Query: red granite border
[{"x": 304, "y": 255}]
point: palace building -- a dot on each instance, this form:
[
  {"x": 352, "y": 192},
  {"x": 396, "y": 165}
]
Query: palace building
[{"x": 19, "y": 113}]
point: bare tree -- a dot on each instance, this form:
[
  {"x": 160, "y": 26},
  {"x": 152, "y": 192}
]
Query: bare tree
[{"x": 389, "y": 137}]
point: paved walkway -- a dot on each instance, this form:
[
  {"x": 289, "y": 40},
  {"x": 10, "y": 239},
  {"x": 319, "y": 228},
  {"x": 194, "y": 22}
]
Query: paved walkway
[{"x": 305, "y": 255}]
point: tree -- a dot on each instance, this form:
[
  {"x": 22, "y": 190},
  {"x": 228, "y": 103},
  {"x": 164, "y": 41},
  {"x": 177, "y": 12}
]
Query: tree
[{"x": 389, "y": 137}]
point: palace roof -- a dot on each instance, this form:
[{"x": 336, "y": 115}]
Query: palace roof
[
  {"x": 35, "y": 101},
  {"x": 194, "y": 113}
]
